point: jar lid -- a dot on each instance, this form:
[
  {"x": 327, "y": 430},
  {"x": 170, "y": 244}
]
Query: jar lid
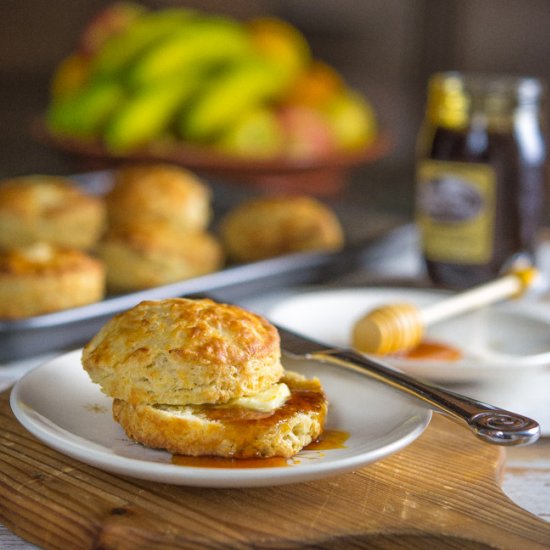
[{"x": 452, "y": 96}]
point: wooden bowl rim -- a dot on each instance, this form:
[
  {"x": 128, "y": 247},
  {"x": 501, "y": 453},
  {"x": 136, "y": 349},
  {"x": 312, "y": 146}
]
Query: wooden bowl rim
[{"x": 208, "y": 159}]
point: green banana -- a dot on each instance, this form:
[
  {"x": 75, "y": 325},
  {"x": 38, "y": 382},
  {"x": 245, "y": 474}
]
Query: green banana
[
  {"x": 118, "y": 51},
  {"x": 147, "y": 113},
  {"x": 228, "y": 96},
  {"x": 83, "y": 114},
  {"x": 205, "y": 42}
]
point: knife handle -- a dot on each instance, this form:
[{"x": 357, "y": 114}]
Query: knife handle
[{"x": 489, "y": 423}]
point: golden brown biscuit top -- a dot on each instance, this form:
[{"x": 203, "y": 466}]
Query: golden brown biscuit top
[
  {"x": 271, "y": 226},
  {"x": 168, "y": 186},
  {"x": 182, "y": 351},
  {"x": 38, "y": 195},
  {"x": 280, "y": 207},
  {"x": 150, "y": 173},
  {"x": 195, "y": 331},
  {"x": 43, "y": 258}
]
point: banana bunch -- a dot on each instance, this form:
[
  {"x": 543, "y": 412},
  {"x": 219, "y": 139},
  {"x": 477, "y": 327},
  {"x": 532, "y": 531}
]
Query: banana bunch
[{"x": 251, "y": 89}]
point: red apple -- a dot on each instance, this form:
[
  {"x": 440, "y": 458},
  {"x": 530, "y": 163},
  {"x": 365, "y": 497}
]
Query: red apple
[{"x": 307, "y": 133}]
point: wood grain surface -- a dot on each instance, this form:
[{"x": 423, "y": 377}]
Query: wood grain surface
[{"x": 440, "y": 492}]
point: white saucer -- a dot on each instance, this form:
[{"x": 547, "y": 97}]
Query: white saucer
[
  {"x": 59, "y": 404},
  {"x": 495, "y": 341}
]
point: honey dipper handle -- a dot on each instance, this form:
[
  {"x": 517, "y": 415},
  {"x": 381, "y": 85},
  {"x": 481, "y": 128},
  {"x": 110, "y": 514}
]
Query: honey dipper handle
[{"x": 513, "y": 284}]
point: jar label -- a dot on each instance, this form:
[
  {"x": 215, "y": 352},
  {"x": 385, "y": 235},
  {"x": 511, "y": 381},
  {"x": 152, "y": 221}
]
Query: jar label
[{"x": 455, "y": 211}]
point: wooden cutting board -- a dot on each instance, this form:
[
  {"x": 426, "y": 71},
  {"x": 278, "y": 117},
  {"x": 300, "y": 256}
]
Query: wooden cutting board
[{"x": 440, "y": 492}]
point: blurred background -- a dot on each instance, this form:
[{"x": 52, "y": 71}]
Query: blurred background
[{"x": 385, "y": 49}]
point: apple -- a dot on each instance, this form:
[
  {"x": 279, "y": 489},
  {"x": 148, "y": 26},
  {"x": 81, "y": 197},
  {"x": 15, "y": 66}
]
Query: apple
[
  {"x": 307, "y": 132},
  {"x": 351, "y": 119},
  {"x": 317, "y": 85},
  {"x": 258, "y": 134},
  {"x": 281, "y": 43}
]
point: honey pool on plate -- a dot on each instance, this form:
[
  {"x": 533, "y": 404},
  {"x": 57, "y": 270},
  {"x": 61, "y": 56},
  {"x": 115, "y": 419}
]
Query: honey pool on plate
[
  {"x": 431, "y": 350},
  {"x": 329, "y": 439}
]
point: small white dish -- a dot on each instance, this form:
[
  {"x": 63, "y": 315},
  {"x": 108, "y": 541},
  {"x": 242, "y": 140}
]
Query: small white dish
[
  {"x": 498, "y": 340},
  {"x": 59, "y": 404}
]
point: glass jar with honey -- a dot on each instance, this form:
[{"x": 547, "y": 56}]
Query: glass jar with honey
[{"x": 480, "y": 179}]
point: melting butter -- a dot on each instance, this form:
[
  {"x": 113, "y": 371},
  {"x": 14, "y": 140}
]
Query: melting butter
[
  {"x": 264, "y": 401},
  {"x": 38, "y": 252}
]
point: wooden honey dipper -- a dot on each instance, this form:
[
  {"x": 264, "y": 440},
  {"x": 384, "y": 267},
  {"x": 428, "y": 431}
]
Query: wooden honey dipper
[{"x": 399, "y": 327}]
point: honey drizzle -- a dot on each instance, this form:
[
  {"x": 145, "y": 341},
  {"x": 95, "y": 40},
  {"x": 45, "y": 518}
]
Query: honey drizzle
[
  {"x": 233, "y": 463},
  {"x": 329, "y": 439}
]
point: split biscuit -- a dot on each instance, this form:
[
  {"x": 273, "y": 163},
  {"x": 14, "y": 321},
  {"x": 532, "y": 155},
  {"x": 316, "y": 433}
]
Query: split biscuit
[
  {"x": 50, "y": 209},
  {"x": 273, "y": 226},
  {"x": 43, "y": 278}
]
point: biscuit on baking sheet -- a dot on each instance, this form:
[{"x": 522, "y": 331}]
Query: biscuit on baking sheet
[
  {"x": 230, "y": 431},
  {"x": 272, "y": 226},
  {"x": 43, "y": 278},
  {"x": 159, "y": 193},
  {"x": 141, "y": 256},
  {"x": 182, "y": 351},
  {"x": 48, "y": 209}
]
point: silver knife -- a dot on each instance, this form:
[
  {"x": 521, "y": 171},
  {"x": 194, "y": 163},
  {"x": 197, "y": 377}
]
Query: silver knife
[{"x": 489, "y": 423}]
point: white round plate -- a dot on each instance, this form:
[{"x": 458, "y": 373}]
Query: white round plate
[
  {"x": 59, "y": 404},
  {"x": 497, "y": 340}
]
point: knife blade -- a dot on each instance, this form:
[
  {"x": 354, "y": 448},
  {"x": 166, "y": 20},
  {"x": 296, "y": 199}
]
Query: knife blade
[{"x": 489, "y": 423}]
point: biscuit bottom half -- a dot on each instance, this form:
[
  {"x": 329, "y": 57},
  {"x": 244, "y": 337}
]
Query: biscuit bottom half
[{"x": 230, "y": 431}]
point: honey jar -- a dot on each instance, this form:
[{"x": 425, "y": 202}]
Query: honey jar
[{"x": 480, "y": 175}]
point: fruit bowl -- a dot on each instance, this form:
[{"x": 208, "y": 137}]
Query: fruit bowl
[
  {"x": 245, "y": 100},
  {"x": 320, "y": 175}
]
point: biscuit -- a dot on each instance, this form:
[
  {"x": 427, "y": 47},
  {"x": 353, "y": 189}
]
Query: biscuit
[
  {"x": 148, "y": 255},
  {"x": 235, "y": 432},
  {"x": 158, "y": 193},
  {"x": 181, "y": 351},
  {"x": 48, "y": 209},
  {"x": 42, "y": 278},
  {"x": 272, "y": 226}
]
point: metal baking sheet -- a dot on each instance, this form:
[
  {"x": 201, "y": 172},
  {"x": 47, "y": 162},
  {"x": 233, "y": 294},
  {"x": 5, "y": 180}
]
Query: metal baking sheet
[{"x": 72, "y": 327}]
